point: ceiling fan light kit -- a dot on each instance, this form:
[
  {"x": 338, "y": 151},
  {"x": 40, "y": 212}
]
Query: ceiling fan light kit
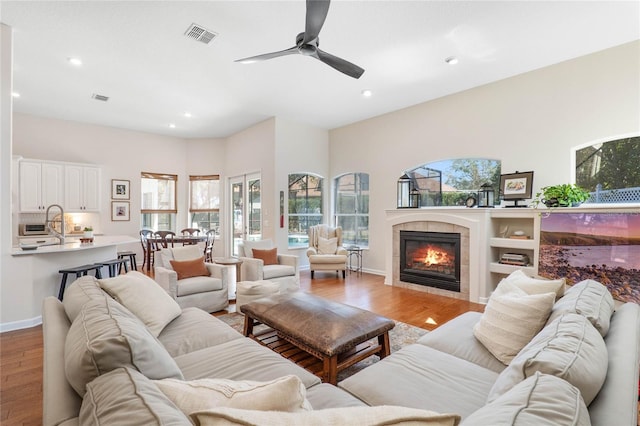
[{"x": 307, "y": 42}]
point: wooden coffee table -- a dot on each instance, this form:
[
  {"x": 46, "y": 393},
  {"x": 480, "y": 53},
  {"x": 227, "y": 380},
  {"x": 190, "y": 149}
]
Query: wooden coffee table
[{"x": 322, "y": 336}]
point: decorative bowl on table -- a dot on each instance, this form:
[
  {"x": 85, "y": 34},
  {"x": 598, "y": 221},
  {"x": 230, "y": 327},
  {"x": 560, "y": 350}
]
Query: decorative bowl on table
[{"x": 25, "y": 246}]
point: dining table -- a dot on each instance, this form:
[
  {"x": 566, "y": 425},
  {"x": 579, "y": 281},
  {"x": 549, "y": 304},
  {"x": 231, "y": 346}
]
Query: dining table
[{"x": 177, "y": 239}]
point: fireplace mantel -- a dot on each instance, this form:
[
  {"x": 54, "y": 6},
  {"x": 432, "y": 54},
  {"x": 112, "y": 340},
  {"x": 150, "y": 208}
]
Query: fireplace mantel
[{"x": 443, "y": 219}]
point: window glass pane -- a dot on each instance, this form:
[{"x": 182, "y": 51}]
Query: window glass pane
[
  {"x": 205, "y": 194},
  {"x": 352, "y": 208},
  {"x": 158, "y": 221},
  {"x": 205, "y": 221},
  {"x": 305, "y": 207},
  {"x": 254, "y": 210},
  {"x": 610, "y": 171}
]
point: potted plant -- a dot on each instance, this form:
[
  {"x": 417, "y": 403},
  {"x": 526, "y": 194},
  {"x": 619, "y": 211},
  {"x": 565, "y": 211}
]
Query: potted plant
[
  {"x": 563, "y": 195},
  {"x": 88, "y": 232}
]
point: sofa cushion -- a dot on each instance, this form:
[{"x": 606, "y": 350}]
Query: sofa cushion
[
  {"x": 569, "y": 348},
  {"x": 80, "y": 292},
  {"x": 276, "y": 271},
  {"x": 260, "y": 245},
  {"x": 326, "y": 395},
  {"x": 456, "y": 338},
  {"x": 590, "y": 299},
  {"x": 268, "y": 256},
  {"x": 197, "y": 285},
  {"x": 285, "y": 393},
  {"x": 422, "y": 377},
  {"x": 193, "y": 330},
  {"x": 510, "y": 321},
  {"x": 534, "y": 285},
  {"x": 327, "y": 245},
  {"x": 190, "y": 268},
  {"x": 541, "y": 400},
  {"x": 124, "y": 396},
  {"x": 352, "y": 416},
  {"x": 106, "y": 336},
  {"x": 144, "y": 298}
]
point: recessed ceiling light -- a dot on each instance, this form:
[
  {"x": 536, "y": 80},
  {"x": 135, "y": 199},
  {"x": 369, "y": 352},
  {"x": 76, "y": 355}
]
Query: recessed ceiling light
[
  {"x": 172, "y": 126},
  {"x": 451, "y": 60},
  {"x": 187, "y": 114},
  {"x": 367, "y": 93},
  {"x": 15, "y": 94},
  {"x": 75, "y": 61}
]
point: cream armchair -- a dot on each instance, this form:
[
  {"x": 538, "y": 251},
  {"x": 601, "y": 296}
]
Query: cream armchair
[
  {"x": 325, "y": 250},
  {"x": 285, "y": 272},
  {"x": 210, "y": 293}
]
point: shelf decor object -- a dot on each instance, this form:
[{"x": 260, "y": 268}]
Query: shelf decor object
[
  {"x": 486, "y": 196},
  {"x": 414, "y": 198},
  {"x": 516, "y": 187},
  {"x": 404, "y": 192}
]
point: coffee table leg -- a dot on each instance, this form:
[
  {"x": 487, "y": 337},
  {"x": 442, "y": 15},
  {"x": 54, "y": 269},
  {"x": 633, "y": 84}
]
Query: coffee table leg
[
  {"x": 383, "y": 341},
  {"x": 248, "y": 325},
  {"x": 330, "y": 369}
]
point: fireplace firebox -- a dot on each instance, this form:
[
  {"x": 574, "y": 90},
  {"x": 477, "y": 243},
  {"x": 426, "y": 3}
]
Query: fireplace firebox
[{"x": 430, "y": 259}]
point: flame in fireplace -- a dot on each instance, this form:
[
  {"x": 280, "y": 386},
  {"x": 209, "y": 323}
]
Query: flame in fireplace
[{"x": 435, "y": 256}]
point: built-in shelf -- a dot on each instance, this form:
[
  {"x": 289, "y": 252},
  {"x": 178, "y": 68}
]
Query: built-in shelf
[
  {"x": 500, "y": 268},
  {"x": 529, "y": 244}
]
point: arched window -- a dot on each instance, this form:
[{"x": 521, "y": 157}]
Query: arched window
[
  {"x": 352, "y": 208},
  {"x": 305, "y": 207},
  {"x": 451, "y": 182},
  {"x": 610, "y": 171}
]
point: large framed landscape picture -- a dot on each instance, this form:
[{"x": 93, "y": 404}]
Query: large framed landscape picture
[{"x": 600, "y": 246}]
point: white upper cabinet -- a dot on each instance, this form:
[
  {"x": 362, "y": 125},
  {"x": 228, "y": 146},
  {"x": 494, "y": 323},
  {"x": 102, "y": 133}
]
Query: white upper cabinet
[
  {"x": 41, "y": 184},
  {"x": 82, "y": 188}
]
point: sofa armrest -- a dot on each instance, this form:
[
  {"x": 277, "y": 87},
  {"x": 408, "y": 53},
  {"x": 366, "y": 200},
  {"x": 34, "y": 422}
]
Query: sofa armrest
[
  {"x": 311, "y": 251},
  {"x": 219, "y": 271},
  {"x": 343, "y": 251},
  {"x": 289, "y": 260},
  {"x": 251, "y": 269},
  {"x": 168, "y": 280}
]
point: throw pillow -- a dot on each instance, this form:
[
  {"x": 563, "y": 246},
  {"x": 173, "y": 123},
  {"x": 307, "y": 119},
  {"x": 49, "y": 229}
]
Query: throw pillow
[
  {"x": 144, "y": 298},
  {"x": 248, "y": 246},
  {"x": 539, "y": 400},
  {"x": 178, "y": 253},
  {"x": 590, "y": 299},
  {"x": 190, "y": 268},
  {"x": 269, "y": 257},
  {"x": 106, "y": 336},
  {"x": 352, "y": 416},
  {"x": 327, "y": 245},
  {"x": 283, "y": 394},
  {"x": 569, "y": 348},
  {"x": 80, "y": 292},
  {"x": 510, "y": 321},
  {"x": 534, "y": 285},
  {"x": 117, "y": 397}
]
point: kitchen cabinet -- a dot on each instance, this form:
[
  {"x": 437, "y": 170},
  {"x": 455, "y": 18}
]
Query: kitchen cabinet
[
  {"x": 82, "y": 188},
  {"x": 41, "y": 184}
]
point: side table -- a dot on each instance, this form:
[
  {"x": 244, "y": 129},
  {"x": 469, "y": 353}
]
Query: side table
[
  {"x": 230, "y": 261},
  {"x": 354, "y": 256}
]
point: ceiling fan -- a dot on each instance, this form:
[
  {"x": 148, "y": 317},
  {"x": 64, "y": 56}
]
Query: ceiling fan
[{"x": 308, "y": 41}]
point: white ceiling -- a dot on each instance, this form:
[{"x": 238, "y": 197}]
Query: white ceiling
[{"x": 136, "y": 53}]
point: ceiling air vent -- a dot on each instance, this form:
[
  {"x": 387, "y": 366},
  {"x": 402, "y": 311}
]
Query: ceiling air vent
[
  {"x": 200, "y": 33},
  {"x": 98, "y": 97}
]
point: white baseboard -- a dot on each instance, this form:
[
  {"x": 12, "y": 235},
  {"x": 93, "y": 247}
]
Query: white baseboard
[{"x": 19, "y": 325}]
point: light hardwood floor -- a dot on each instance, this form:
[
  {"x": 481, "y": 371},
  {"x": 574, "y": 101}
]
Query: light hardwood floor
[{"x": 21, "y": 351}]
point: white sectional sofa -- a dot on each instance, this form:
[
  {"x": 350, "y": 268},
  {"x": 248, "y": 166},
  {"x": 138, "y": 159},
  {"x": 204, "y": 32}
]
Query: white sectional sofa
[{"x": 104, "y": 355}]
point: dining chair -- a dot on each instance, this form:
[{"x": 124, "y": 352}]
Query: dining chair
[
  {"x": 144, "y": 235},
  {"x": 208, "y": 246},
  {"x": 190, "y": 232},
  {"x": 166, "y": 238}
]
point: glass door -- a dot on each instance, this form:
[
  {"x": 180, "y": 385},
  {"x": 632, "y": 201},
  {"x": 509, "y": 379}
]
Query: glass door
[{"x": 246, "y": 213}]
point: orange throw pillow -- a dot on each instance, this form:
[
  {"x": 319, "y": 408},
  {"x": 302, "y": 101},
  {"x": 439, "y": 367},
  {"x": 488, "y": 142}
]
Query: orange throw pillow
[
  {"x": 269, "y": 257},
  {"x": 190, "y": 268}
]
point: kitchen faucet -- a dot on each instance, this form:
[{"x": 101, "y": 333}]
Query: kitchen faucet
[{"x": 58, "y": 235}]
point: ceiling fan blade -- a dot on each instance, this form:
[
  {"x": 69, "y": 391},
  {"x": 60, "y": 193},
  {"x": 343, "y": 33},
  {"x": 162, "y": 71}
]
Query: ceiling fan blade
[
  {"x": 339, "y": 64},
  {"x": 266, "y": 56},
  {"x": 316, "y": 14}
]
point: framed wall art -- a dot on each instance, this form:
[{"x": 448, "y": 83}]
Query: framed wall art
[
  {"x": 516, "y": 187},
  {"x": 120, "y": 211},
  {"x": 120, "y": 189}
]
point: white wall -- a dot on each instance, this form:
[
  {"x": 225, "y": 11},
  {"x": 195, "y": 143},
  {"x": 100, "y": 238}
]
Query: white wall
[{"x": 530, "y": 122}]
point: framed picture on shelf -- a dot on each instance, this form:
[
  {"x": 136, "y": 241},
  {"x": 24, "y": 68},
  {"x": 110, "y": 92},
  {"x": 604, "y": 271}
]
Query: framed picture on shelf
[
  {"x": 120, "y": 211},
  {"x": 120, "y": 189},
  {"x": 516, "y": 187}
]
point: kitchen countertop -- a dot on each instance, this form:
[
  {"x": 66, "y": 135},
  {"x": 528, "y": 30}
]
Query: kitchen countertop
[{"x": 72, "y": 244}]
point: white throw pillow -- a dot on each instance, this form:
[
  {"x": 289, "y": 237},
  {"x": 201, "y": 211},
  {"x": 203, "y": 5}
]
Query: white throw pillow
[
  {"x": 352, "y": 416},
  {"x": 510, "y": 321},
  {"x": 534, "y": 285},
  {"x": 327, "y": 245},
  {"x": 282, "y": 394},
  {"x": 144, "y": 298}
]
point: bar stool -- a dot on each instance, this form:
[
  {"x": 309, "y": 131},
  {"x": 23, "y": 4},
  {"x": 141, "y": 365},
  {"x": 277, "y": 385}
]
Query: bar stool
[
  {"x": 115, "y": 266},
  {"x": 132, "y": 258},
  {"x": 79, "y": 271}
]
